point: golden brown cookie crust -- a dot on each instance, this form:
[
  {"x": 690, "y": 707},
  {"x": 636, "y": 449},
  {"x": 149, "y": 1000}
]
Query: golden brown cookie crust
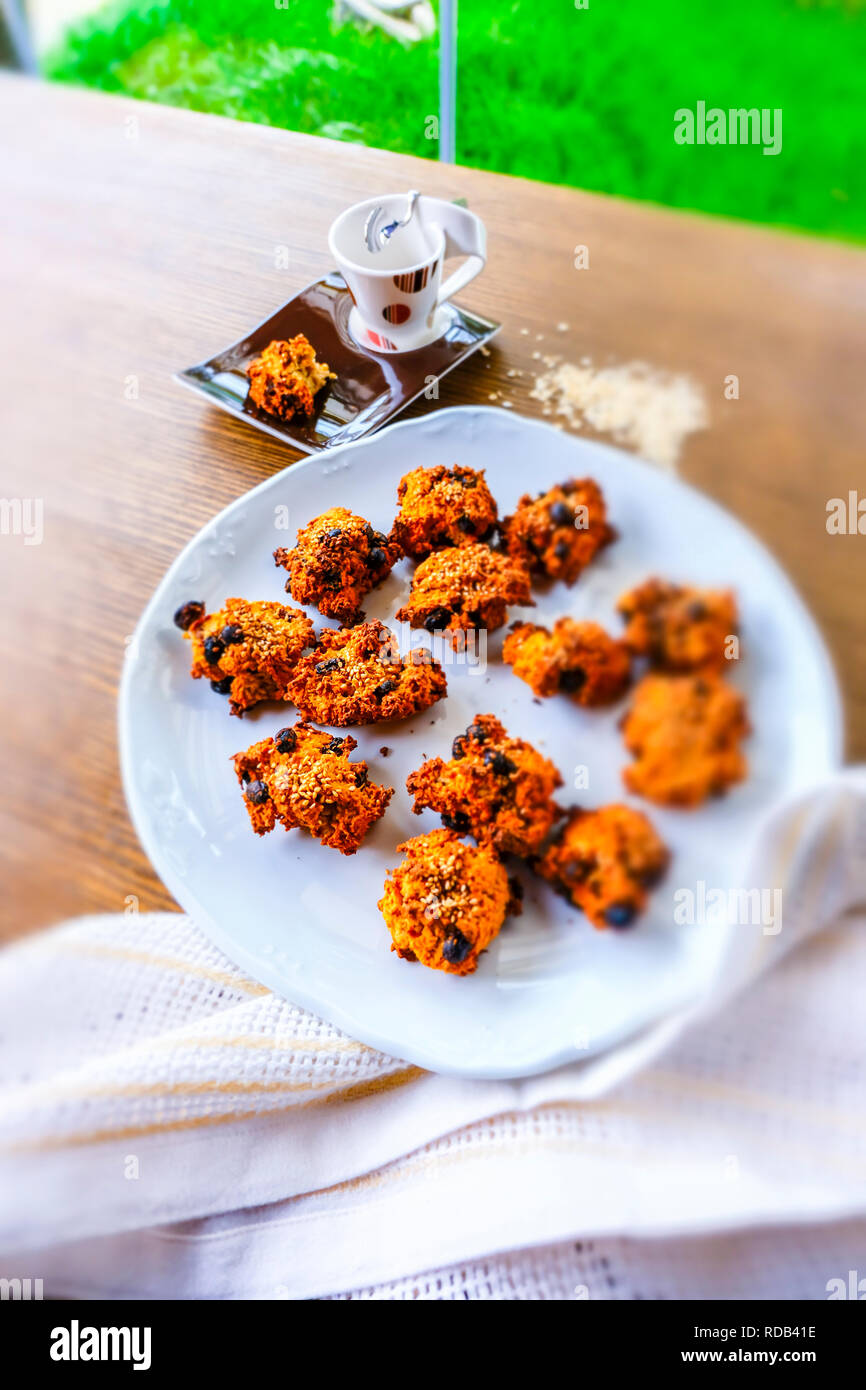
[
  {"x": 495, "y": 788},
  {"x": 338, "y": 559},
  {"x": 679, "y": 628},
  {"x": 459, "y": 590},
  {"x": 357, "y": 676},
  {"x": 303, "y": 779},
  {"x": 442, "y": 507},
  {"x": 560, "y": 531},
  {"x": 286, "y": 376},
  {"x": 604, "y": 862},
  {"x": 577, "y": 658},
  {"x": 446, "y": 902},
  {"x": 684, "y": 732},
  {"x": 248, "y": 651}
]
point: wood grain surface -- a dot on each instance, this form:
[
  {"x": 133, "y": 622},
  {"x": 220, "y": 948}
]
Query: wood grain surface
[{"x": 136, "y": 240}]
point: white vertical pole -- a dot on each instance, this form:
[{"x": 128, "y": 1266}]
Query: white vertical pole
[
  {"x": 19, "y": 36},
  {"x": 448, "y": 81}
]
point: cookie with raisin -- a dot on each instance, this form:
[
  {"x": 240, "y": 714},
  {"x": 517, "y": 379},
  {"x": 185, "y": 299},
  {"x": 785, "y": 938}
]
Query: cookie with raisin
[
  {"x": 496, "y": 788},
  {"x": 604, "y": 862},
  {"x": 286, "y": 376},
  {"x": 577, "y": 658},
  {"x": 442, "y": 507},
  {"x": 302, "y": 778},
  {"x": 338, "y": 559},
  {"x": 446, "y": 902},
  {"x": 459, "y": 590},
  {"x": 677, "y": 627},
  {"x": 246, "y": 650},
  {"x": 684, "y": 732},
  {"x": 357, "y": 676},
  {"x": 558, "y": 532}
]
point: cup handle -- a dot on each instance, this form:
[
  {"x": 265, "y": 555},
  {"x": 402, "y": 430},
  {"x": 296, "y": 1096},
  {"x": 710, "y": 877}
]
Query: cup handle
[{"x": 465, "y": 235}]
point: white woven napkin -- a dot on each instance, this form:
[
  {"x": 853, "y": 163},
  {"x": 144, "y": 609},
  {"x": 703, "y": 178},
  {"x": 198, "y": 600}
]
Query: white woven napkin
[{"x": 170, "y": 1128}]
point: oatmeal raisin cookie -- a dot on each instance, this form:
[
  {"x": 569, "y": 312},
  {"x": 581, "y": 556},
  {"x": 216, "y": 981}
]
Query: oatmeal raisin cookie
[
  {"x": 357, "y": 676},
  {"x": 246, "y": 650},
  {"x": 446, "y": 902},
  {"x": 604, "y": 861},
  {"x": 684, "y": 732},
  {"x": 442, "y": 507},
  {"x": 558, "y": 532},
  {"x": 577, "y": 658},
  {"x": 338, "y": 559},
  {"x": 302, "y": 777},
  {"x": 285, "y": 377},
  {"x": 495, "y": 788},
  {"x": 677, "y": 627},
  {"x": 459, "y": 590}
]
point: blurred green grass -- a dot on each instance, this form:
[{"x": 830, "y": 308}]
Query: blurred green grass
[{"x": 573, "y": 96}]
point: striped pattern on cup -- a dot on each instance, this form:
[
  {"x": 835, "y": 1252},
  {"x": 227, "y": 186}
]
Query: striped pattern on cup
[{"x": 414, "y": 280}]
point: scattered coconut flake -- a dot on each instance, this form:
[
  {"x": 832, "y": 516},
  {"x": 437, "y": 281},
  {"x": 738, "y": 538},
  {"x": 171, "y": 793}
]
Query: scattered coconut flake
[
  {"x": 536, "y": 355},
  {"x": 507, "y": 405},
  {"x": 485, "y": 351},
  {"x": 525, "y": 332},
  {"x": 649, "y": 410},
  {"x": 562, "y": 328}
]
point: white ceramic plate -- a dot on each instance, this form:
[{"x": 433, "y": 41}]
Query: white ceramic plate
[{"x": 303, "y": 919}]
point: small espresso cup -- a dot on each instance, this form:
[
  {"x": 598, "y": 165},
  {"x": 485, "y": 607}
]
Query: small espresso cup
[{"x": 398, "y": 293}]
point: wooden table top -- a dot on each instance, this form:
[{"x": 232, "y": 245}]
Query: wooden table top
[{"x": 138, "y": 239}]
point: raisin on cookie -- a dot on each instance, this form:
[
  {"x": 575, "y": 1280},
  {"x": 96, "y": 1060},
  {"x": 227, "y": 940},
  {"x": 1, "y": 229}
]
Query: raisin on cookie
[
  {"x": 684, "y": 733},
  {"x": 247, "y": 651},
  {"x": 604, "y": 861},
  {"x": 446, "y": 902},
  {"x": 357, "y": 676},
  {"x": 495, "y": 788},
  {"x": 338, "y": 559},
  {"x": 577, "y": 658},
  {"x": 302, "y": 778},
  {"x": 558, "y": 532},
  {"x": 677, "y": 627},
  {"x": 459, "y": 590},
  {"x": 442, "y": 507}
]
